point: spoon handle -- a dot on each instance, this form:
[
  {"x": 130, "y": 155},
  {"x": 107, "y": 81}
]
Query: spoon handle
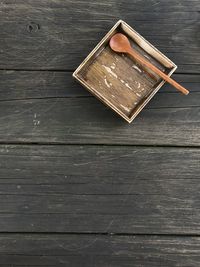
[{"x": 165, "y": 77}]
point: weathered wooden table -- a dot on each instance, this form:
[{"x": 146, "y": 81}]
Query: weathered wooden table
[{"x": 78, "y": 185}]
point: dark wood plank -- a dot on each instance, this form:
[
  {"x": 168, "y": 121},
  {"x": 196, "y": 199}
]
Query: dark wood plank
[
  {"x": 106, "y": 189},
  {"x": 113, "y": 251},
  {"x": 86, "y": 120},
  {"x": 47, "y": 113},
  {"x": 46, "y": 84},
  {"x": 58, "y": 34}
]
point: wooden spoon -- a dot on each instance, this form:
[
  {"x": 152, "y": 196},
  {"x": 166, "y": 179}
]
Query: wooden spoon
[{"x": 120, "y": 43}]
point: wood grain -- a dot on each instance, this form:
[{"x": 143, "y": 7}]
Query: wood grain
[
  {"x": 51, "y": 107},
  {"x": 118, "y": 80},
  {"x": 86, "y": 121},
  {"x": 119, "y": 189},
  {"x": 114, "y": 251},
  {"x": 52, "y": 35},
  {"x": 59, "y": 204},
  {"x": 24, "y": 85}
]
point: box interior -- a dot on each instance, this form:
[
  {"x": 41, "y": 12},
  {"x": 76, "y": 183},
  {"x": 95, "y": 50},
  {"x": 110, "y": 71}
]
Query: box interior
[{"x": 118, "y": 80}]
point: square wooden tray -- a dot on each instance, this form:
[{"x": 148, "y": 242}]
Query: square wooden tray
[{"x": 118, "y": 80}]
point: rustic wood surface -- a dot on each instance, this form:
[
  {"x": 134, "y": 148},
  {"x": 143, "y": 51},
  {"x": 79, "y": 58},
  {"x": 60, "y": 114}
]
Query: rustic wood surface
[{"x": 78, "y": 185}]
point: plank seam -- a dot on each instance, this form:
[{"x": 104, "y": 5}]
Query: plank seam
[
  {"x": 2, "y": 143},
  {"x": 185, "y": 235}
]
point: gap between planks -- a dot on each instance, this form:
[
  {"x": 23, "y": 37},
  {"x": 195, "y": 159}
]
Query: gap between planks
[
  {"x": 39, "y": 234},
  {"x": 2, "y": 143}
]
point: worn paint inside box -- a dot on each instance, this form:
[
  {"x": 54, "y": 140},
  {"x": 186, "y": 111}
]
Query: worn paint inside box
[{"x": 117, "y": 79}]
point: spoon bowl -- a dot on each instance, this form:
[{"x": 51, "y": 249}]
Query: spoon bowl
[{"x": 120, "y": 43}]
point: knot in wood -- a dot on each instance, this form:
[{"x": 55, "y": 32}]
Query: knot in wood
[{"x": 33, "y": 27}]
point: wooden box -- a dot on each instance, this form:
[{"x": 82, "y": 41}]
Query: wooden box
[{"x": 117, "y": 79}]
